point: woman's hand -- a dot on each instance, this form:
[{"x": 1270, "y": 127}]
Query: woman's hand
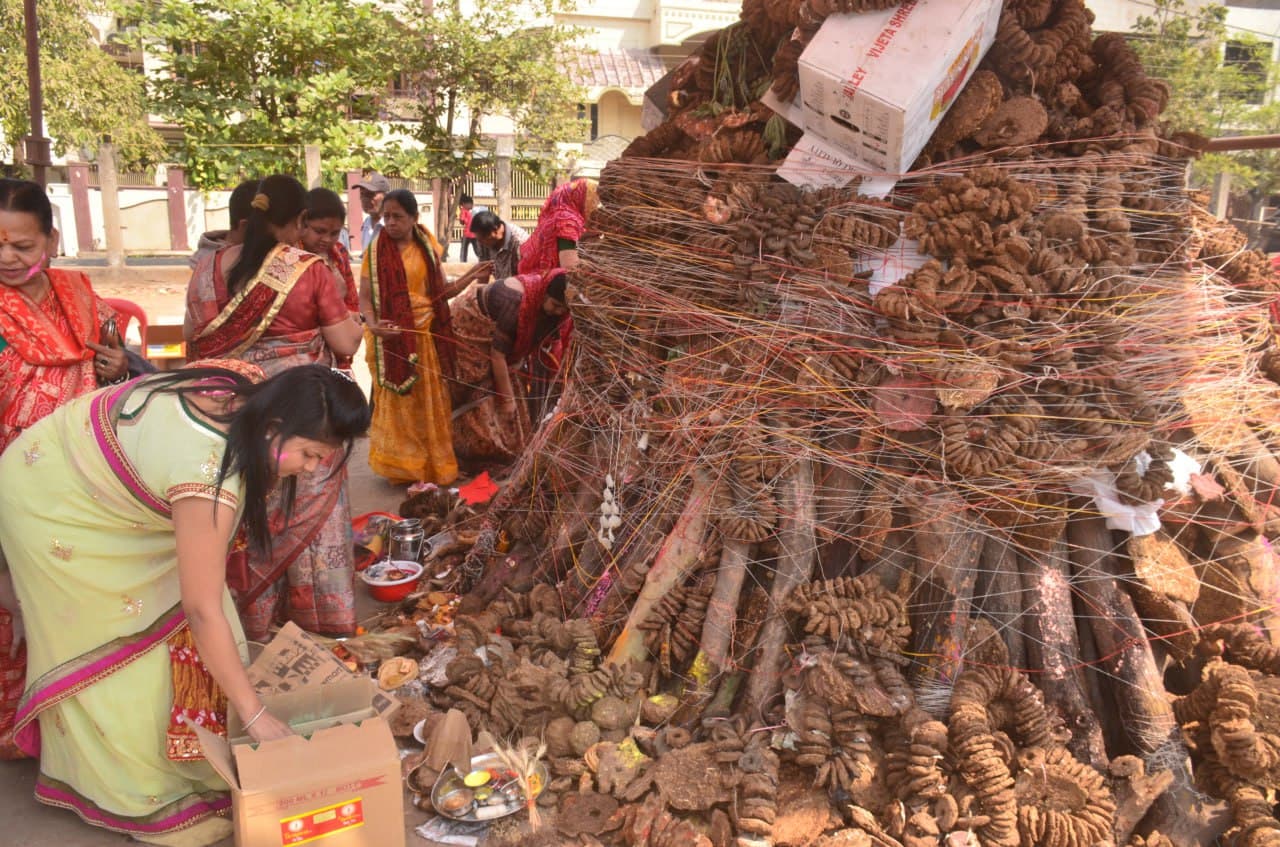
[
  {"x": 383, "y": 329},
  {"x": 269, "y": 728},
  {"x": 109, "y": 363}
]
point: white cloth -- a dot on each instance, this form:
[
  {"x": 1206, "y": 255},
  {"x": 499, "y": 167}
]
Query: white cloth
[{"x": 1141, "y": 518}]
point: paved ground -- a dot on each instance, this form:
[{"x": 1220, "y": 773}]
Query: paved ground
[{"x": 159, "y": 288}]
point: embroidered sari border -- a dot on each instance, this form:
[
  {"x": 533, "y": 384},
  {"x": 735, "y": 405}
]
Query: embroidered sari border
[
  {"x": 70, "y": 678},
  {"x": 104, "y": 433},
  {"x": 181, "y": 814},
  {"x": 202, "y": 491},
  {"x": 266, "y": 277}
]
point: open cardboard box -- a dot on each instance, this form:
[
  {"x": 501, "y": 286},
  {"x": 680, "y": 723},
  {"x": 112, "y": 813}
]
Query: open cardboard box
[
  {"x": 338, "y": 779},
  {"x": 166, "y": 348}
]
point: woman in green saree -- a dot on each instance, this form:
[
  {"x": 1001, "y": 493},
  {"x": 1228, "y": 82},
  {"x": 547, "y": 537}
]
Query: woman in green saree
[{"x": 115, "y": 515}]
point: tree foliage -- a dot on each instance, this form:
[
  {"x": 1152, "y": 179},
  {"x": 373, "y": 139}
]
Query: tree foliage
[
  {"x": 489, "y": 61},
  {"x": 1210, "y": 95},
  {"x": 87, "y": 95},
  {"x": 251, "y": 82}
]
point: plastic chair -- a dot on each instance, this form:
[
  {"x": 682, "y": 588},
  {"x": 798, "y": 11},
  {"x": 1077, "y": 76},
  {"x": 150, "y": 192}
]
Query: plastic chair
[{"x": 129, "y": 310}]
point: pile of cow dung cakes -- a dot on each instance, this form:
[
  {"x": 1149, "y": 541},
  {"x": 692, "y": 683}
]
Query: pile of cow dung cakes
[{"x": 936, "y": 519}]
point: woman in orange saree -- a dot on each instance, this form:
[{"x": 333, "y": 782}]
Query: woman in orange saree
[
  {"x": 411, "y": 350},
  {"x": 275, "y": 306}
]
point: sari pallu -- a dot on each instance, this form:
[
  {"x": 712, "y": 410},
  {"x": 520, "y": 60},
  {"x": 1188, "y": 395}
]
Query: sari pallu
[
  {"x": 229, "y": 326},
  {"x": 44, "y": 360},
  {"x": 86, "y": 530},
  {"x": 339, "y": 261},
  {"x": 397, "y": 358},
  {"x": 308, "y": 578}
]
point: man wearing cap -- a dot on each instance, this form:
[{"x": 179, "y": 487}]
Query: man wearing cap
[{"x": 372, "y": 189}]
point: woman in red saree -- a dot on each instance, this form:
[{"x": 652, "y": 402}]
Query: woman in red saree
[
  {"x": 268, "y": 303},
  {"x": 561, "y": 225},
  {"x": 51, "y": 344},
  {"x": 52, "y": 350},
  {"x": 554, "y": 244},
  {"x": 321, "y": 228},
  {"x": 497, "y": 326}
]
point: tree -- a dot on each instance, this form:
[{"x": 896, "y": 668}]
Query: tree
[
  {"x": 1218, "y": 83},
  {"x": 87, "y": 95},
  {"x": 251, "y": 82},
  {"x": 489, "y": 62}
]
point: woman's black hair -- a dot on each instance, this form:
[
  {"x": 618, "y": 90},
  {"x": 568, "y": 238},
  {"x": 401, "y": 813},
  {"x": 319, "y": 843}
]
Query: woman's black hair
[
  {"x": 403, "y": 198},
  {"x": 23, "y": 195},
  {"x": 556, "y": 288},
  {"x": 323, "y": 204},
  {"x": 309, "y": 401},
  {"x": 285, "y": 200}
]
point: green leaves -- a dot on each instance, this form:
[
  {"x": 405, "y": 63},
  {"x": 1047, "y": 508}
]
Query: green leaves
[
  {"x": 252, "y": 82},
  {"x": 499, "y": 60},
  {"x": 87, "y": 95},
  {"x": 1216, "y": 77}
]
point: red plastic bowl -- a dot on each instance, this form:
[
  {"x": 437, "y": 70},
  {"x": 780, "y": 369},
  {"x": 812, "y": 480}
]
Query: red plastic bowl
[{"x": 391, "y": 591}]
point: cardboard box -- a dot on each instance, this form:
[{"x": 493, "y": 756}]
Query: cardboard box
[
  {"x": 875, "y": 85},
  {"x": 165, "y": 344},
  {"x": 337, "y": 781}
]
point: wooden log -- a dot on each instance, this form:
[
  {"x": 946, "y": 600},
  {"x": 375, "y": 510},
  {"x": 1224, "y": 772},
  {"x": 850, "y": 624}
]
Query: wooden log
[
  {"x": 1053, "y": 647},
  {"x": 1143, "y": 707},
  {"x": 1119, "y": 636},
  {"x": 998, "y": 594},
  {"x": 949, "y": 541},
  {"x": 1096, "y": 685},
  {"x": 797, "y": 543},
  {"x": 840, "y": 487},
  {"x": 894, "y": 561},
  {"x": 678, "y": 554},
  {"x": 722, "y": 609}
]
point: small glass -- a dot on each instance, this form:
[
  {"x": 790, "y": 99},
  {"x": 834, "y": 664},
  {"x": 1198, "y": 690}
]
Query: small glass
[{"x": 406, "y": 540}]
